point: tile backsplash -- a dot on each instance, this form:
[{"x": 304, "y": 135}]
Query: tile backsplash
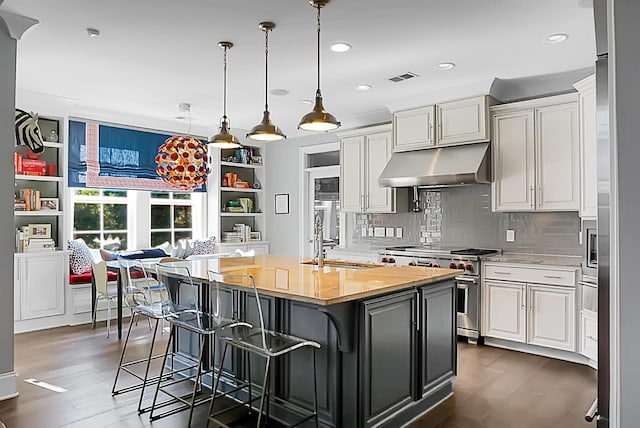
[{"x": 462, "y": 217}]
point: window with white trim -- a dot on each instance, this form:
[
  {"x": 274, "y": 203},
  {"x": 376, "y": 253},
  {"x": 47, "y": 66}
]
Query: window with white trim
[
  {"x": 171, "y": 217},
  {"x": 100, "y": 217}
]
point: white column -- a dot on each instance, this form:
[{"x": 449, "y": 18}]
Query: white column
[{"x": 11, "y": 28}]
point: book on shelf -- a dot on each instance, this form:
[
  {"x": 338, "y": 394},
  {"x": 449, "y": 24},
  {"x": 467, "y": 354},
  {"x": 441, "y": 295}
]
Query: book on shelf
[
  {"x": 40, "y": 244},
  {"x": 31, "y": 199},
  {"x": 17, "y": 163}
]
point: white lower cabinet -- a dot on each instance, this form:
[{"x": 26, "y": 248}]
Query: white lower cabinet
[
  {"x": 40, "y": 279},
  {"x": 551, "y": 317},
  {"x": 589, "y": 336},
  {"x": 535, "y": 314}
]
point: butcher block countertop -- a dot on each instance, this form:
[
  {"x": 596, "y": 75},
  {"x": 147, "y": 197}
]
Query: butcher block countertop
[{"x": 337, "y": 282}]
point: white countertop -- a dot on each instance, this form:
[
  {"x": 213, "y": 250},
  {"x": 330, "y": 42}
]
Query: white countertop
[{"x": 538, "y": 259}]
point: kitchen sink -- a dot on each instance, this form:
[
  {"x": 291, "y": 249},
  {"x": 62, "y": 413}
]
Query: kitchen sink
[{"x": 344, "y": 264}]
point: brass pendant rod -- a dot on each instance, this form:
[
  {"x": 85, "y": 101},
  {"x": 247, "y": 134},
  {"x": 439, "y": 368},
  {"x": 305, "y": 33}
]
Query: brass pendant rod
[
  {"x": 266, "y": 69},
  {"x": 318, "y": 5},
  {"x": 224, "y": 90}
]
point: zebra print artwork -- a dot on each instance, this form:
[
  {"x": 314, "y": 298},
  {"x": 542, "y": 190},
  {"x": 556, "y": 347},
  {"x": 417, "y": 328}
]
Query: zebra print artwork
[{"x": 28, "y": 131}]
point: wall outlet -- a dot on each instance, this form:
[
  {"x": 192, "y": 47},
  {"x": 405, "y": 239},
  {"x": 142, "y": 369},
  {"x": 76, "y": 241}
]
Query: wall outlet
[
  {"x": 363, "y": 231},
  {"x": 378, "y": 232},
  {"x": 398, "y": 232},
  {"x": 511, "y": 235},
  {"x": 389, "y": 232},
  {"x": 370, "y": 231}
]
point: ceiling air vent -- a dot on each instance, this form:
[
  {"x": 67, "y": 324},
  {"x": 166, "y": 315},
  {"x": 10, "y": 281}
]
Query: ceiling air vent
[{"x": 401, "y": 77}]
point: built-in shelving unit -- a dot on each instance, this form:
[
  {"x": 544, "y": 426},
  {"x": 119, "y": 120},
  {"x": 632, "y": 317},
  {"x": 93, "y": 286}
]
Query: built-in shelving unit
[{"x": 226, "y": 197}]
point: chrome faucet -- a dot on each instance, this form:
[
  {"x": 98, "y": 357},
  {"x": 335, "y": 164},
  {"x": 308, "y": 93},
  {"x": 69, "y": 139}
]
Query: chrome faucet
[{"x": 318, "y": 239}]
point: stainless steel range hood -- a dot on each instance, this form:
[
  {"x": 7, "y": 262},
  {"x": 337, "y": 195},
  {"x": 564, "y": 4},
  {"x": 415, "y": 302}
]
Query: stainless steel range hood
[{"x": 442, "y": 166}]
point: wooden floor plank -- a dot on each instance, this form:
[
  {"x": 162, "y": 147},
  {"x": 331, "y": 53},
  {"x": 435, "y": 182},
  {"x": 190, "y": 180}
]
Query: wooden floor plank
[{"x": 495, "y": 388}]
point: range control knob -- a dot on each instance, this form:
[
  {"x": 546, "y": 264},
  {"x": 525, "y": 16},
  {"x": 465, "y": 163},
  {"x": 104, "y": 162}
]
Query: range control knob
[
  {"x": 460, "y": 265},
  {"x": 392, "y": 260},
  {"x": 469, "y": 267},
  {"x": 384, "y": 260},
  {"x": 434, "y": 265},
  {"x": 452, "y": 265}
]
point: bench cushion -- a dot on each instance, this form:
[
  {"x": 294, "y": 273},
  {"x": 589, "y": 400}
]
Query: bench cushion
[{"x": 85, "y": 278}]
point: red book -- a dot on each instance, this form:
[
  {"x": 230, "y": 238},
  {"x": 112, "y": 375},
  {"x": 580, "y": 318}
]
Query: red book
[
  {"x": 17, "y": 163},
  {"x": 34, "y": 163}
]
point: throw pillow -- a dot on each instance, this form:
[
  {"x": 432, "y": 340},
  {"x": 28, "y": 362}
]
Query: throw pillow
[
  {"x": 80, "y": 257},
  {"x": 208, "y": 246}
]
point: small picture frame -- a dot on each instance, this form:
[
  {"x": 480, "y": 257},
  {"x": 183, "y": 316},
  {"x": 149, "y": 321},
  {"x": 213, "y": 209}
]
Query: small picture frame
[
  {"x": 255, "y": 236},
  {"x": 282, "y": 203},
  {"x": 49, "y": 204},
  {"x": 40, "y": 231}
]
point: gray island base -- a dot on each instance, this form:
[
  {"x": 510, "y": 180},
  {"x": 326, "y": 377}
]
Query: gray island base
[{"x": 385, "y": 359}]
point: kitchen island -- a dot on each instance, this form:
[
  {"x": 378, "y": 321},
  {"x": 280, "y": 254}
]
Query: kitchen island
[{"x": 388, "y": 334}]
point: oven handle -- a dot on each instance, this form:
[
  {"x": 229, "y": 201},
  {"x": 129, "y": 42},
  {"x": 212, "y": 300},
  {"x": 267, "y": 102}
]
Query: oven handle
[
  {"x": 471, "y": 279},
  {"x": 588, "y": 284}
]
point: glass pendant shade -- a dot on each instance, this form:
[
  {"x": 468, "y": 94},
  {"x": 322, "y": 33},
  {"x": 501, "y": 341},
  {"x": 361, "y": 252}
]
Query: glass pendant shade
[
  {"x": 266, "y": 130},
  {"x": 224, "y": 139},
  {"x": 318, "y": 119}
]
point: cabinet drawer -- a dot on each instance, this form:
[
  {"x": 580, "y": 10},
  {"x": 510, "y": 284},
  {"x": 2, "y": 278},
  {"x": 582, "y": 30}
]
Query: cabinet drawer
[
  {"x": 589, "y": 345},
  {"x": 535, "y": 275}
]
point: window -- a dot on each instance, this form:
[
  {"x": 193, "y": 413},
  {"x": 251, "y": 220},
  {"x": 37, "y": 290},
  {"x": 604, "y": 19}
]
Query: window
[
  {"x": 171, "y": 217},
  {"x": 100, "y": 217}
]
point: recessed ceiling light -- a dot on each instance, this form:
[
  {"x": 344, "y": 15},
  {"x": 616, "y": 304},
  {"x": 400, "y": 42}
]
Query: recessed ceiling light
[
  {"x": 444, "y": 66},
  {"x": 92, "y": 32},
  {"x": 279, "y": 92},
  {"x": 363, "y": 87},
  {"x": 340, "y": 47},
  {"x": 306, "y": 101},
  {"x": 556, "y": 38}
]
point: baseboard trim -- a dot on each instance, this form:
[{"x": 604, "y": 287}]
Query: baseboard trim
[
  {"x": 8, "y": 386},
  {"x": 572, "y": 357}
]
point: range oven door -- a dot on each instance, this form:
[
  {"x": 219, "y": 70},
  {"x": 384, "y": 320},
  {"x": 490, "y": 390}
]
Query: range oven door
[{"x": 468, "y": 305}]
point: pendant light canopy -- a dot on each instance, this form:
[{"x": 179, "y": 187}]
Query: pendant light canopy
[
  {"x": 266, "y": 130},
  {"x": 224, "y": 139},
  {"x": 318, "y": 119}
]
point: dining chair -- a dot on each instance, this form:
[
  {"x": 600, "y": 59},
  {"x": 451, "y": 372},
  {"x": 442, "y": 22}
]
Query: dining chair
[
  {"x": 109, "y": 292},
  {"x": 262, "y": 342},
  {"x": 189, "y": 315}
]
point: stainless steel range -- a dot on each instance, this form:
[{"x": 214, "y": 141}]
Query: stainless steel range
[{"x": 468, "y": 282}]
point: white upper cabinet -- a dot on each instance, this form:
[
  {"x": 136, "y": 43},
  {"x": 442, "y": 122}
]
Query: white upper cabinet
[
  {"x": 363, "y": 155},
  {"x": 414, "y": 129},
  {"x": 588, "y": 140},
  {"x": 536, "y": 155},
  {"x": 461, "y": 121}
]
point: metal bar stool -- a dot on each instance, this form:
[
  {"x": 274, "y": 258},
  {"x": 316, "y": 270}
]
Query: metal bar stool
[
  {"x": 266, "y": 343},
  {"x": 192, "y": 317},
  {"x": 156, "y": 307}
]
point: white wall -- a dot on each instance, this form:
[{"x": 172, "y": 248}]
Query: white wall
[{"x": 283, "y": 176}]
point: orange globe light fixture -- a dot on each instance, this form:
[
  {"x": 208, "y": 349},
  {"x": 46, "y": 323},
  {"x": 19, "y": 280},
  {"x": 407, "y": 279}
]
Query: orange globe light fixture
[{"x": 182, "y": 162}]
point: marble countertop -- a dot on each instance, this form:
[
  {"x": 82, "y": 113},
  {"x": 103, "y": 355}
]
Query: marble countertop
[
  {"x": 290, "y": 278},
  {"x": 537, "y": 259}
]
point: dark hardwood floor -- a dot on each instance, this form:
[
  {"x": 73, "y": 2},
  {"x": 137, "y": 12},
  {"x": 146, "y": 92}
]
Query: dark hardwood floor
[{"x": 494, "y": 388}]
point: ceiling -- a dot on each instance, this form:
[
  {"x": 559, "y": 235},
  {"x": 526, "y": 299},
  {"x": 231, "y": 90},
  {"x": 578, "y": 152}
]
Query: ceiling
[{"x": 154, "y": 54}]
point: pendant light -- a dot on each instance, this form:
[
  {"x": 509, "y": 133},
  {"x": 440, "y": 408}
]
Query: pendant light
[
  {"x": 266, "y": 130},
  {"x": 318, "y": 119},
  {"x": 224, "y": 139}
]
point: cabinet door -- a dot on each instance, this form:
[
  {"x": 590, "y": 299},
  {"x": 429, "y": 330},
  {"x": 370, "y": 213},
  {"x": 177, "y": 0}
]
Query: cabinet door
[
  {"x": 378, "y": 199},
  {"x": 588, "y": 160},
  {"x": 17, "y": 281},
  {"x": 439, "y": 339},
  {"x": 413, "y": 129},
  {"x": 42, "y": 291},
  {"x": 352, "y": 170},
  {"x": 513, "y": 161},
  {"x": 557, "y": 158},
  {"x": 551, "y": 317},
  {"x": 388, "y": 341},
  {"x": 505, "y": 310},
  {"x": 462, "y": 121},
  {"x": 589, "y": 336}
]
